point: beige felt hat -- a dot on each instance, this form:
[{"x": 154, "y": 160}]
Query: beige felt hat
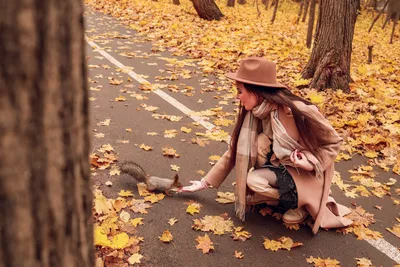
[{"x": 258, "y": 71}]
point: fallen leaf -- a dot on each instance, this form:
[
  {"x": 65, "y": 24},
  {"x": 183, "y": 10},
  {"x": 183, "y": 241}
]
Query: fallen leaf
[
  {"x": 363, "y": 262},
  {"x": 204, "y": 244},
  {"x": 238, "y": 254},
  {"x": 139, "y": 206},
  {"x": 225, "y": 198},
  {"x": 318, "y": 262},
  {"x": 126, "y": 193},
  {"x": 166, "y": 237},
  {"x": 172, "y": 221},
  {"x": 281, "y": 243},
  {"x": 135, "y": 258},
  {"x": 175, "y": 168},
  {"x": 125, "y": 216},
  {"x": 137, "y": 221},
  {"x": 193, "y": 208},
  {"x": 145, "y": 147},
  {"x": 186, "y": 130}
]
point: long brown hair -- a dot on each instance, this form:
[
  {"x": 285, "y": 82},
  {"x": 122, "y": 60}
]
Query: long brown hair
[{"x": 284, "y": 97}]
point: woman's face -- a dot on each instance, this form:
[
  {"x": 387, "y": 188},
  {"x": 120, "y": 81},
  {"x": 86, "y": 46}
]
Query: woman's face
[{"x": 248, "y": 99}]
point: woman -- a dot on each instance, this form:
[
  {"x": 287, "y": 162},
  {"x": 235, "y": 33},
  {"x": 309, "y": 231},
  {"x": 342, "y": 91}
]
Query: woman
[{"x": 283, "y": 150}]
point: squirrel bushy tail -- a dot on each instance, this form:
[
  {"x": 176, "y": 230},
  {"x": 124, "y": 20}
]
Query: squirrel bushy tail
[{"x": 133, "y": 169}]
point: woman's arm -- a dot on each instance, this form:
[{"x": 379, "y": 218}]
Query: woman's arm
[{"x": 218, "y": 173}]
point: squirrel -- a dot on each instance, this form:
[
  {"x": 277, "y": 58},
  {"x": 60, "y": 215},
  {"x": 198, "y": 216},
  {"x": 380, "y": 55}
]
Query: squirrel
[{"x": 153, "y": 182}]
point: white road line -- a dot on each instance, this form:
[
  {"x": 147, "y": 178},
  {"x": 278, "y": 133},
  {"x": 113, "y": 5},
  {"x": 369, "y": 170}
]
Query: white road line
[
  {"x": 185, "y": 110},
  {"x": 387, "y": 248},
  {"x": 380, "y": 244}
]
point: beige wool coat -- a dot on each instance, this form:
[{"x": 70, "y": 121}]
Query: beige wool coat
[{"x": 313, "y": 193}]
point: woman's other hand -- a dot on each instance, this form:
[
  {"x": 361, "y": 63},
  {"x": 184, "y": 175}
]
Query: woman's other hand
[
  {"x": 300, "y": 160},
  {"x": 196, "y": 186}
]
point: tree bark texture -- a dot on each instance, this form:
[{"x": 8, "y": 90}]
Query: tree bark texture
[
  {"x": 311, "y": 20},
  {"x": 45, "y": 189},
  {"x": 176, "y": 2},
  {"x": 329, "y": 63},
  {"x": 230, "y": 3},
  {"x": 207, "y": 9},
  {"x": 305, "y": 11}
]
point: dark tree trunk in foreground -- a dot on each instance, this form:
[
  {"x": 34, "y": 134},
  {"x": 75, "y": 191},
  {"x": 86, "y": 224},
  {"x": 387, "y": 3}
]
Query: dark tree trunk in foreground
[
  {"x": 329, "y": 64},
  {"x": 45, "y": 189},
  {"x": 230, "y": 3},
  {"x": 207, "y": 9},
  {"x": 176, "y": 2}
]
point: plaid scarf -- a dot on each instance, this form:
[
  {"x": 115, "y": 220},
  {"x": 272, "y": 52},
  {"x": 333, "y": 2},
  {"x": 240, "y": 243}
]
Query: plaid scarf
[{"x": 246, "y": 155}]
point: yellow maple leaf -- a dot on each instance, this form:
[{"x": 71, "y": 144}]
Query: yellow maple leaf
[
  {"x": 192, "y": 209},
  {"x": 119, "y": 241},
  {"x": 371, "y": 154},
  {"x": 201, "y": 172},
  {"x": 146, "y": 148},
  {"x": 315, "y": 97},
  {"x": 137, "y": 221},
  {"x": 142, "y": 189},
  {"x": 120, "y": 99},
  {"x": 186, "y": 130},
  {"x": 166, "y": 237},
  {"x": 100, "y": 239},
  {"x": 214, "y": 157},
  {"x": 126, "y": 193}
]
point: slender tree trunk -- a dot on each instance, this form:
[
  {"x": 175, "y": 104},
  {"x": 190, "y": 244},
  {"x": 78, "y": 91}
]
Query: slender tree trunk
[
  {"x": 300, "y": 12},
  {"x": 275, "y": 10},
  {"x": 241, "y": 2},
  {"x": 377, "y": 17},
  {"x": 266, "y": 4},
  {"x": 207, "y": 9},
  {"x": 176, "y": 2},
  {"x": 311, "y": 23},
  {"x": 305, "y": 11},
  {"x": 396, "y": 19},
  {"x": 230, "y": 3},
  {"x": 45, "y": 189},
  {"x": 329, "y": 64}
]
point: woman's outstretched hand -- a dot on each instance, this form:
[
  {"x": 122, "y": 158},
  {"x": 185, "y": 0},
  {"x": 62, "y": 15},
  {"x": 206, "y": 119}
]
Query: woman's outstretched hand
[
  {"x": 196, "y": 186},
  {"x": 300, "y": 160}
]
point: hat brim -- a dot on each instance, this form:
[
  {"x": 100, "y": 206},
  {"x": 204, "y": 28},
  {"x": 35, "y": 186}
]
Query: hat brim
[{"x": 233, "y": 76}]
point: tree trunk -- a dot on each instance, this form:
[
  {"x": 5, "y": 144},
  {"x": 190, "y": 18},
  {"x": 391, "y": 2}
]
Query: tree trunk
[
  {"x": 45, "y": 188},
  {"x": 311, "y": 20},
  {"x": 329, "y": 64},
  {"x": 275, "y": 10},
  {"x": 230, "y": 3},
  {"x": 300, "y": 12},
  {"x": 207, "y": 9},
  {"x": 241, "y": 2},
  {"x": 305, "y": 11},
  {"x": 176, "y": 2}
]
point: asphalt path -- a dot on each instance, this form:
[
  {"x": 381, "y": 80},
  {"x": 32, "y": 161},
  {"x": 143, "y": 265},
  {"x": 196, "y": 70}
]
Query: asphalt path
[{"x": 205, "y": 92}]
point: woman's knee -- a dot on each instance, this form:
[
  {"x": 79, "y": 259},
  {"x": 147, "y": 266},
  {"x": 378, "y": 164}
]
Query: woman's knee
[{"x": 253, "y": 180}]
